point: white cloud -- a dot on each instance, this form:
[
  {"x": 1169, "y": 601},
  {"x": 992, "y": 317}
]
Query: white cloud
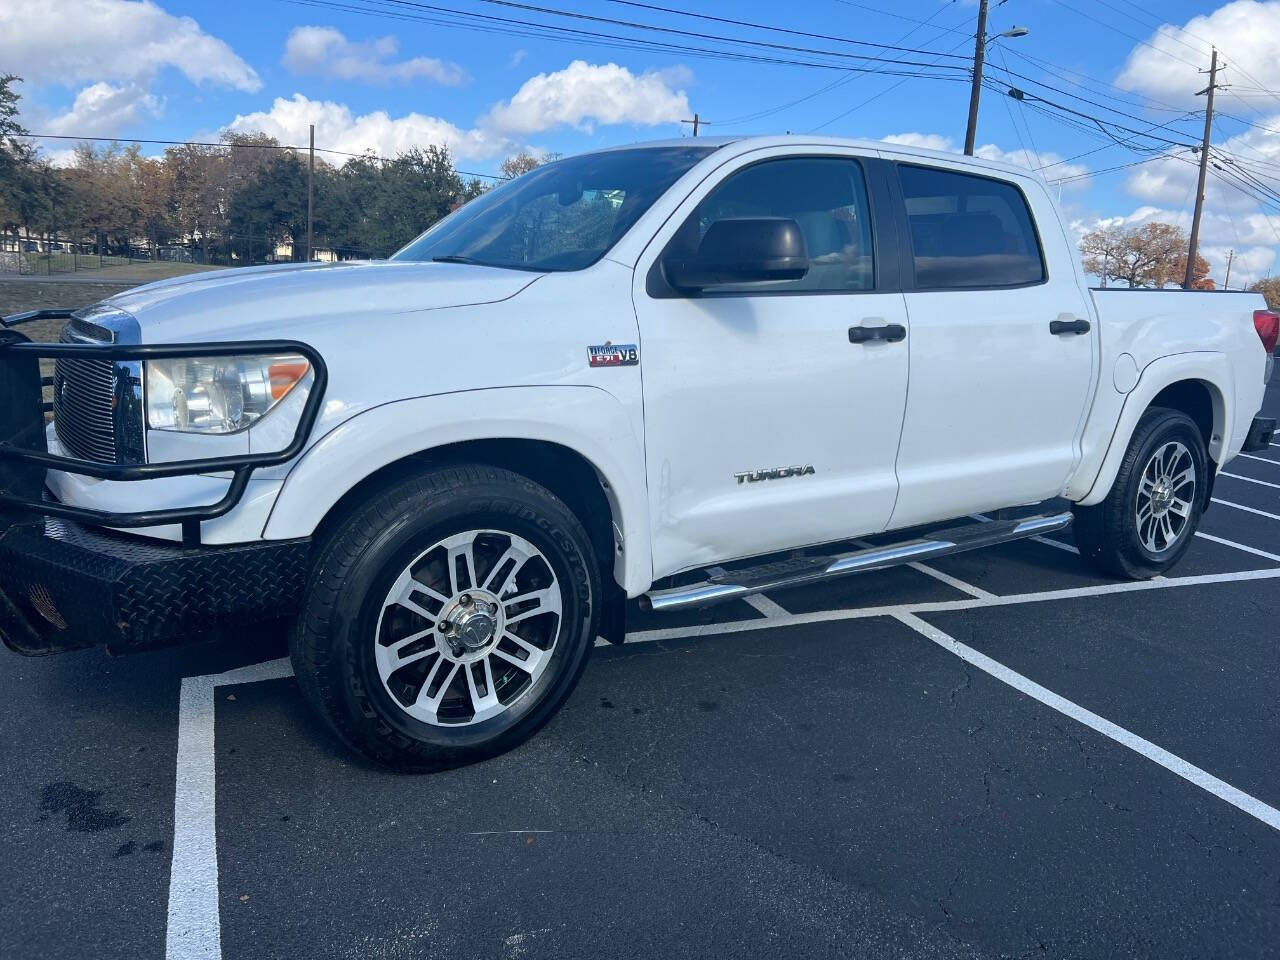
[
  {"x": 103, "y": 110},
  {"x": 1251, "y": 155},
  {"x": 1169, "y": 67},
  {"x": 1054, "y": 168},
  {"x": 582, "y": 95},
  {"x": 337, "y": 128},
  {"x": 86, "y": 41},
  {"x": 325, "y": 51},
  {"x": 585, "y": 94},
  {"x": 517, "y": 58},
  {"x": 925, "y": 141}
]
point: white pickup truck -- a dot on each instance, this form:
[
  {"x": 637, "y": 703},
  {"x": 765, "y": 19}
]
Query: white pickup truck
[{"x": 452, "y": 468}]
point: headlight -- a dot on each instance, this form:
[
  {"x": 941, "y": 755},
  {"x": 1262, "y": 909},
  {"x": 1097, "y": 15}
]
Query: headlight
[{"x": 218, "y": 394}]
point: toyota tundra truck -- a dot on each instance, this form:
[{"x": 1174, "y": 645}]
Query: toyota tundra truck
[{"x": 681, "y": 372}]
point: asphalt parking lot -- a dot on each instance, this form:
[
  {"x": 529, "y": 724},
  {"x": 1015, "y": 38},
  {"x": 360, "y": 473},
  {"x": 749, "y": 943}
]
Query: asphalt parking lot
[{"x": 999, "y": 754}]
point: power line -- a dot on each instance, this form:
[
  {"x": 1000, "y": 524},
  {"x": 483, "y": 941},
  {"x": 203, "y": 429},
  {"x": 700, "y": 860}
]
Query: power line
[{"x": 839, "y": 81}]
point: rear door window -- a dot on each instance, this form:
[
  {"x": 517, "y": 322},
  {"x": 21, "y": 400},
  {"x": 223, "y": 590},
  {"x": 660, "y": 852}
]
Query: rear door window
[{"x": 969, "y": 231}]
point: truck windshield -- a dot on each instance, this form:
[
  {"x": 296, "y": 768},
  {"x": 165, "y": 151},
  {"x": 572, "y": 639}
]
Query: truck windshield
[{"x": 561, "y": 216}]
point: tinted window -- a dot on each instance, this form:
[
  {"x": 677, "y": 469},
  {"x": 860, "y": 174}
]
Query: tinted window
[
  {"x": 561, "y": 216},
  {"x": 827, "y": 197},
  {"x": 969, "y": 231}
]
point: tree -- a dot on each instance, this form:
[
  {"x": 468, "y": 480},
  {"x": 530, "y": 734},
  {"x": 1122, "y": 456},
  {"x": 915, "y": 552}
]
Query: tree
[
  {"x": 272, "y": 204},
  {"x": 1152, "y": 255},
  {"x": 29, "y": 189},
  {"x": 520, "y": 163},
  {"x": 1270, "y": 289}
]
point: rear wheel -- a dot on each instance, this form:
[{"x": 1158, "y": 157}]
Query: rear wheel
[
  {"x": 448, "y": 618},
  {"x": 1149, "y": 518}
]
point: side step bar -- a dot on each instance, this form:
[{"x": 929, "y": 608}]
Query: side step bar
[{"x": 799, "y": 571}]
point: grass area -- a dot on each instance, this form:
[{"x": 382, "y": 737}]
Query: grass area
[
  {"x": 140, "y": 270},
  {"x": 19, "y": 295}
]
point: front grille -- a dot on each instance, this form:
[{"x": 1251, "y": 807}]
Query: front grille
[{"x": 82, "y": 400}]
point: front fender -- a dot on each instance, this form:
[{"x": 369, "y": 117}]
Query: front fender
[
  {"x": 586, "y": 419},
  {"x": 1213, "y": 368}
]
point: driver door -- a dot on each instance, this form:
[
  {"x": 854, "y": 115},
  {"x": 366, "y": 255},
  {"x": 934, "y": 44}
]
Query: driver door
[{"x": 743, "y": 383}]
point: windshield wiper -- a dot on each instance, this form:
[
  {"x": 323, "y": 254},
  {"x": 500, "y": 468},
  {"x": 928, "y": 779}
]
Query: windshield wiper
[{"x": 454, "y": 259}]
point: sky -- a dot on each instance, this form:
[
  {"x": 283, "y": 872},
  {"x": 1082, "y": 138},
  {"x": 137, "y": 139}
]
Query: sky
[{"x": 385, "y": 75}]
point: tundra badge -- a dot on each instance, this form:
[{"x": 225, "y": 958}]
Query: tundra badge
[
  {"x": 777, "y": 473},
  {"x": 613, "y": 355}
]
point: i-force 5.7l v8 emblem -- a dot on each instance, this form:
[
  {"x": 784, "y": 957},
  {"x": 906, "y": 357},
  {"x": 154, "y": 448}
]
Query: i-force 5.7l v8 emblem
[
  {"x": 614, "y": 355},
  {"x": 777, "y": 473}
]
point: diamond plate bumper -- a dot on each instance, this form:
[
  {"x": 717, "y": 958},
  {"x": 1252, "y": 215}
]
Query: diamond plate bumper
[{"x": 64, "y": 586}]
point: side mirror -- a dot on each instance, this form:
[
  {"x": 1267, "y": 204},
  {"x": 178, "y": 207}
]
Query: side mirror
[{"x": 742, "y": 250}]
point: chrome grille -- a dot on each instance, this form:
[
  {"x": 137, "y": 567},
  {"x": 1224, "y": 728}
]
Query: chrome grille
[{"x": 82, "y": 399}]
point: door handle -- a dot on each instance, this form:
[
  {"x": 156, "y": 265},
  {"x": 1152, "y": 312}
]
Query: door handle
[
  {"x": 1059, "y": 327},
  {"x": 890, "y": 333}
]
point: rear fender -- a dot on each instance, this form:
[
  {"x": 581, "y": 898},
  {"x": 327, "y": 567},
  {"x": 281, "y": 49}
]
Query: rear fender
[{"x": 1214, "y": 369}]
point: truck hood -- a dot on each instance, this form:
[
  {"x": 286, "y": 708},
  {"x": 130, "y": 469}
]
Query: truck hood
[{"x": 226, "y": 304}]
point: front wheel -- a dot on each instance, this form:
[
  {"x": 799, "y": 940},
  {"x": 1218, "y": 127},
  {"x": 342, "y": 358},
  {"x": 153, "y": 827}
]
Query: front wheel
[
  {"x": 1149, "y": 518},
  {"x": 447, "y": 618}
]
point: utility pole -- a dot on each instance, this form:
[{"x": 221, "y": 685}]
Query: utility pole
[
  {"x": 1204, "y": 169},
  {"x": 975, "y": 93},
  {"x": 1226, "y": 284},
  {"x": 311, "y": 174},
  {"x": 696, "y": 121}
]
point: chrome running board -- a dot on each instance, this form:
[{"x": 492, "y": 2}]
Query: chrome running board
[{"x": 801, "y": 571}]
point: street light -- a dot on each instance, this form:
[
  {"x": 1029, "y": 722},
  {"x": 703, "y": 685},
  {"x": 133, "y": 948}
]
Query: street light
[{"x": 979, "y": 54}]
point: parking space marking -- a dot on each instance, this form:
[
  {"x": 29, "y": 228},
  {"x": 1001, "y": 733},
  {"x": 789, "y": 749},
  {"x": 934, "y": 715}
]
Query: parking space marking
[
  {"x": 762, "y": 604},
  {"x": 1241, "y": 506},
  {"x": 954, "y": 582},
  {"x": 1239, "y": 546},
  {"x": 1252, "y": 456},
  {"x": 194, "y": 928},
  {"x": 857, "y": 613},
  {"x": 1236, "y": 476},
  {"x": 1175, "y": 764},
  {"x": 951, "y": 581}
]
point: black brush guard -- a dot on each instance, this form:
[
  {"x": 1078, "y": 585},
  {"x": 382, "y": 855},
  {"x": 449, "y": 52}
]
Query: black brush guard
[{"x": 65, "y": 584}]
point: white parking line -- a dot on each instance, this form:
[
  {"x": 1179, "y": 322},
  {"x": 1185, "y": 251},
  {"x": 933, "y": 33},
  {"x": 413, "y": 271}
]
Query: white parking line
[
  {"x": 1250, "y": 456},
  {"x": 762, "y": 604},
  {"x": 954, "y": 582},
  {"x": 1239, "y": 546},
  {"x": 194, "y": 929},
  {"x": 1236, "y": 476},
  {"x": 1193, "y": 774},
  {"x": 1241, "y": 506}
]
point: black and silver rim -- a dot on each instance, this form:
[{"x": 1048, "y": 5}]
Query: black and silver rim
[
  {"x": 468, "y": 628},
  {"x": 1166, "y": 493}
]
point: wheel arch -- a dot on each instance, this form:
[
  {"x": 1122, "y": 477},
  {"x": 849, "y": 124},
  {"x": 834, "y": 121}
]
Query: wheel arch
[
  {"x": 1197, "y": 384},
  {"x": 575, "y": 441}
]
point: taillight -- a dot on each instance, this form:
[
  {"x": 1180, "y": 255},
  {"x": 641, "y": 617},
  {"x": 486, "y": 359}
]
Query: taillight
[{"x": 1267, "y": 323}]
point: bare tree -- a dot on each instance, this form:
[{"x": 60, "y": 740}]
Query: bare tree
[
  {"x": 1270, "y": 289},
  {"x": 1151, "y": 255}
]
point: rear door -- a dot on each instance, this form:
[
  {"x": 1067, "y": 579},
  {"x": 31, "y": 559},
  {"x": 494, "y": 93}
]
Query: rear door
[
  {"x": 766, "y": 427},
  {"x": 1002, "y": 351}
]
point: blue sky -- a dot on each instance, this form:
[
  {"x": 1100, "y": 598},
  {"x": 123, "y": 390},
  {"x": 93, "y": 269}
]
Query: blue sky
[{"x": 374, "y": 80}]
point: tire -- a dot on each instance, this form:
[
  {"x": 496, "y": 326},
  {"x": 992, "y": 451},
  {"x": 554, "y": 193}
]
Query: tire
[
  {"x": 391, "y": 682},
  {"x": 1111, "y": 535}
]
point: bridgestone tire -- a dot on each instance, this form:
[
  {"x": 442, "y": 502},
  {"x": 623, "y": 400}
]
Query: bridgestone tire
[
  {"x": 359, "y": 559},
  {"x": 1107, "y": 533}
]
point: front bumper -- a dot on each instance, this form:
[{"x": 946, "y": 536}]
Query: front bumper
[
  {"x": 64, "y": 586},
  {"x": 1261, "y": 433}
]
